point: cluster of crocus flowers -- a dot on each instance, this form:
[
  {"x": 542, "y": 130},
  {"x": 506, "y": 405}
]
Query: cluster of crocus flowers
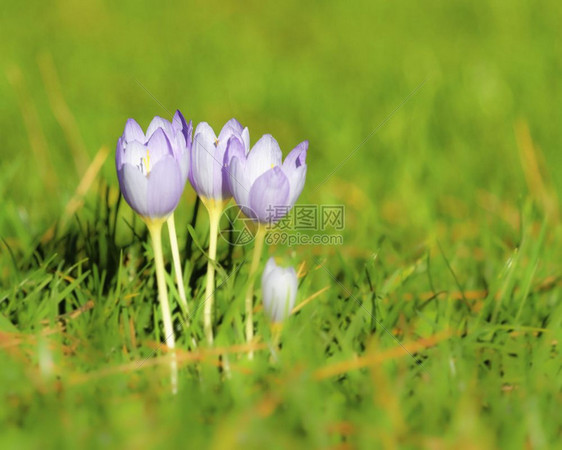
[{"x": 153, "y": 168}]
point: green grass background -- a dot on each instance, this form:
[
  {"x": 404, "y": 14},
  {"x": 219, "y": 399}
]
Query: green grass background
[{"x": 444, "y": 198}]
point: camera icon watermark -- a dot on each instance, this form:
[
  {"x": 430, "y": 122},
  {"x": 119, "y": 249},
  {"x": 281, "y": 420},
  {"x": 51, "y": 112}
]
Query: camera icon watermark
[{"x": 235, "y": 228}]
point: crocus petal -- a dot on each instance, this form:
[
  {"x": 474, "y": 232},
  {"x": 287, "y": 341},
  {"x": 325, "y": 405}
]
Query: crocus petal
[
  {"x": 220, "y": 187},
  {"x": 178, "y": 144},
  {"x": 231, "y": 127},
  {"x": 268, "y": 195},
  {"x": 264, "y": 155},
  {"x": 133, "y": 132},
  {"x": 203, "y": 163},
  {"x": 246, "y": 139},
  {"x": 269, "y": 287},
  {"x": 119, "y": 153},
  {"x": 279, "y": 289},
  {"x": 239, "y": 184},
  {"x": 179, "y": 123},
  {"x": 297, "y": 157},
  {"x": 234, "y": 148},
  {"x": 181, "y": 154},
  {"x": 158, "y": 122},
  {"x": 188, "y": 134},
  {"x": 269, "y": 266},
  {"x": 136, "y": 155},
  {"x": 296, "y": 177},
  {"x": 184, "y": 165},
  {"x": 164, "y": 187},
  {"x": 134, "y": 187},
  {"x": 205, "y": 129},
  {"x": 182, "y": 128},
  {"x": 159, "y": 146}
]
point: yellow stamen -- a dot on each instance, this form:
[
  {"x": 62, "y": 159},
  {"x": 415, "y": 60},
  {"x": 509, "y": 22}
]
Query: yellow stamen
[{"x": 147, "y": 162}]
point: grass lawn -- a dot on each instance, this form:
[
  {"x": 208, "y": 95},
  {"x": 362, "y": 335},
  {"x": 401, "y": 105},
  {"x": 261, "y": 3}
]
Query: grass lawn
[{"x": 431, "y": 317}]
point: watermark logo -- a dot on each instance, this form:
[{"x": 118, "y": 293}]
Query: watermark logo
[
  {"x": 300, "y": 225},
  {"x": 235, "y": 228},
  {"x": 308, "y": 217},
  {"x": 283, "y": 238}
]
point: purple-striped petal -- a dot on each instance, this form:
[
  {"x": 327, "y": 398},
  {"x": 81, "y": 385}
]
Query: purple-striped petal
[
  {"x": 268, "y": 195},
  {"x": 119, "y": 153},
  {"x": 184, "y": 165},
  {"x": 134, "y": 186},
  {"x": 296, "y": 177},
  {"x": 182, "y": 128},
  {"x": 164, "y": 187},
  {"x": 246, "y": 139},
  {"x": 136, "y": 154},
  {"x": 158, "y": 122},
  {"x": 234, "y": 148},
  {"x": 203, "y": 163},
  {"x": 231, "y": 127},
  {"x": 297, "y": 157},
  {"x": 220, "y": 188},
  {"x": 205, "y": 129},
  {"x": 189, "y": 134},
  {"x": 133, "y": 132},
  {"x": 239, "y": 184},
  {"x": 159, "y": 146},
  {"x": 264, "y": 155}
]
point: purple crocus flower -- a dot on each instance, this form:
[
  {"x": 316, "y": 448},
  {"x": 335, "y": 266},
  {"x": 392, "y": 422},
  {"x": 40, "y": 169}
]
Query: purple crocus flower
[
  {"x": 153, "y": 168},
  {"x": 210, "y": 160},
  {"x": 279, "y": 290},
  {"x": 264, "y": 187}
]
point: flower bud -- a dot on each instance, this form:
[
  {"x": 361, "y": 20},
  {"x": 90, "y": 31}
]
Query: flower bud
[{"x": 279, "y": 290}]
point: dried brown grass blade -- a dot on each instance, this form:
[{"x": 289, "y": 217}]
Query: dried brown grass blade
[
  {"x": 37, "y": 139},
  {"x": 536, "y": 172},
  {"x": 62, "y": 112},
  {"x": 379, "y": 357},
  {"x": 309, "y": 299},
  {"x": 183, "y": 358},
  {"x": 82, "y": 189}
]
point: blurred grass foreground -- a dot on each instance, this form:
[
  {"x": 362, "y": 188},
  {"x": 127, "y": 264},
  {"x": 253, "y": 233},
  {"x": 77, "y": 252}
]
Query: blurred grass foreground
[{"x": 437, "y": 322}]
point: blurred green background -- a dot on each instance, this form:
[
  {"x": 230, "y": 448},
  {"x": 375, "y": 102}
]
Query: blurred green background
[
  {"x": 330, "y": 72},
  {"x": 461, "y": 104}
]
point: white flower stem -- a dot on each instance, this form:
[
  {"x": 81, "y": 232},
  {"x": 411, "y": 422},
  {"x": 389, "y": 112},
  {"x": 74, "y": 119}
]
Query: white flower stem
[
  {"x": 155, "y": 229},
  {"x": 177, "y": 263},
  {"x": 256, "y": 257},
  {"x": 276, "y": 329},
  {"x": 215, "y": 210}
]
